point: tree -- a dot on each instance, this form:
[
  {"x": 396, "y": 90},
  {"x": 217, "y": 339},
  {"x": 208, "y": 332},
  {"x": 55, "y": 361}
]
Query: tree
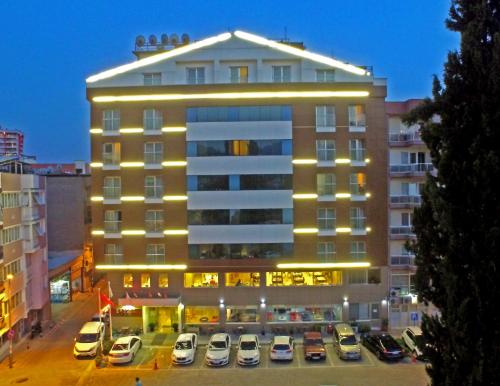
[{"x": 458, "y": 224}]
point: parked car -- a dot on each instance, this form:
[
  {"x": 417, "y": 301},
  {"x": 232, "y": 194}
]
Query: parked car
[
  {"x": 314, "y": 347},
  {"x": 281, "y": 348},
  {"x": 383, "y": 346},
  {"x": 414, "y": 340},
  {"x": 345, "y": 343},
  {"x": 89, "y": 340},
  {"x": 218, "y": 350},
  {"x": 184, "y": 349},
  {"x": 124, "y": 349},
  {"x": 248, "y": 350}
]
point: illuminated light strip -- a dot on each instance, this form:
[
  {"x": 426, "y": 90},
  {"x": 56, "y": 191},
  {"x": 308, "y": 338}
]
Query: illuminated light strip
[
  {"x": 342, "y": 195},
  {"x": 367, "y": 195},
  {"x": 131, "y": 164},
  {"x": 323, "y": 265},
  {"x": 343, "y": 230},
  {"x": 96, "y": 164},
  {"x": 342, "y": 161},
  {"x": 175, "y": 198},
  {"x": 175, "y": 232},
  {"x": 231, "y": 95},
  {"x": 174, "y": 163},
  {"x": 368, "y": 229},
  {"x": 302, "y": 53},
  {"x": 304, "y": 161},
  {"x": 157, "y": 58},
  {"x": 143, "y": 267},
  {"x": 132, "y": 198},
  {"x": 134, "y": 232},
  {"x": 132, "y": 130},
  {"x": 305, "y": 196},
  {"x": 95, "y": 131},
  {"x": 305, "y": 230},
  {"x": 174, "y": 129},
  {"x": 97, "y": 232},
  {"x": 367, "y": 160},
  {"x": 96, "y": 198}
]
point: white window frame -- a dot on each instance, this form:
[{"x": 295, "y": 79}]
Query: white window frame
[
  {"x": 155, "y": 253},
  {"x": 113, "y": 253},
  {"x": 324, "y": 149},
  {"x": 358, "y": 249},
  {"x": 111, "y": 157},
  {"x": 112, "y": 221},
  {"x": 195, "y": 75},
  {"x": 235, "y": 74},
  {"x": 153, "y": 153},
  {"x": 325, "y": 75},
  {"x": 329, "y": 187},
  {"x": 282, "y": 74},
  {"x": 112, "y": 187},
  {"x": 153, "y": 187},
  {"x": 325, "y": 118},
  {"x": 324, "y": 217},
  {"x": 354, "y": 187},
  {"x": 111, "y": 120},
  {"x": 355, "y": 120},
  {"x": 153, "y": 220},
  {"x": 357, "y": 150},
  {"x": 152, "y": 78},
  {"x": 326, "y": 251},
  {"x": 152, "y": 120},
  {"x": 358, "y": 218}
]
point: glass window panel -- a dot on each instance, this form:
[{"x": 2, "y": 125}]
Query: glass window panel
[
  {"x": 242, "y": 279},
  {"x": 201, "y": 280}
]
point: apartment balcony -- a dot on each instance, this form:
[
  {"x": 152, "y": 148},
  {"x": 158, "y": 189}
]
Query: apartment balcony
[
  {"x": 405, "y": 139},
  {"x": 401, "y": 232},
  {"x": 405, "y": 201},
  {"x": 31, "y": 245},
  {"x": 410, "y": 170},
  {"x": 402, "y": 260},
  {"x": 30, "y": 213}
]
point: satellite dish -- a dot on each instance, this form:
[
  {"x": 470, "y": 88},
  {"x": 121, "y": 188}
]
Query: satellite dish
[
  {"x": 174, "y": 39},
  {"x": 140, "y": 41},
  {"x": 152, "y": 40},
  {"x": 164, "y": 39},
  {"x": 185, "y": 39}
]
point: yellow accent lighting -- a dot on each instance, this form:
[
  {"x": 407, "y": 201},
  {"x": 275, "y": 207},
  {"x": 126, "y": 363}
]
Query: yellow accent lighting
[
  {"x": 343, "y": 230},
  {"x": 301, "y": 53},
  {"x": 97, "y": 232},
  {"x": 132, "y": 164},
  {"x": 367, "y": 160},
  {"x": 132, "y": 198},
  {"x": 368, "y": 229},
  {"x": 304, "y": 161},
  {"x": 96, "y": 198},
  {"x": 305, "y": 230},
  {"x": 342, "y": 161},
  {"x": 96, "y": 164},
  {"x": 322, "y": 265},
  {"x": 342, "y": 195},
  {"x": 157, "y": 58},
  {"x": 175, "y": 232},
  {"x": 133, "y": 232},
  {"x": 175, "y": 198},
  {"x": 143, "y": 267},
  {"x": 174, "y": 163},
  {"x": 174, "y": 129},
  {"x": 132, "y": 130},
  {"x": 95, "y": 131},
  {"x": 231, "y": 95},
  {"x": 305, "y": 196},
  {"x": 367, "y": 195}
]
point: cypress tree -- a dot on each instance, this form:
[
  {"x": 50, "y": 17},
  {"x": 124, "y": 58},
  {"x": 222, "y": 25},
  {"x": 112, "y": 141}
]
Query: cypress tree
[{"x": 458, "y": 224}]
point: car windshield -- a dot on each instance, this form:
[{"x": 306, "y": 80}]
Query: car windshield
[
  {"x": 313, "y": 342},
  {"x": 87, "y": 338},
  {"x": 389, "y": 343},
  {"x": 248, "y": 345},
  {"x": 281, "y": 347},
  {"x": 119, "y": 347},
  {"x": 218, "y": 345},
  {"x": 186, "y": 345},
  {"x": 349, "y": 340}
]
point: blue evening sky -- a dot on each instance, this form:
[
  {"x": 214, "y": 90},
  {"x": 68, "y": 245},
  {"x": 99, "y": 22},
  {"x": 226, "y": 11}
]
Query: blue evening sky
[{"x": 49, "y": 47}]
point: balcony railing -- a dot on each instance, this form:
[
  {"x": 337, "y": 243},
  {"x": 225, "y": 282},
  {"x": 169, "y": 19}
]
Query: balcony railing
[
  {"x": 403, "y": 260},
  {"x": 402, "y": 231},
  {"x": 412, "y": 168},
  {"x": 406, "y": 199},
  {"x": 405, "y": 138}
]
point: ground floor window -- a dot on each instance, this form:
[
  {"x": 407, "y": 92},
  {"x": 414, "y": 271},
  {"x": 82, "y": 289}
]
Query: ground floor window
[
  {"x": 202, "y": 279},
  {"x": 323, "y": 278},
  {"x": 128, "y": 280},
  {"x": 301, "y": 314},
  {"x": 242, "y": 314},
  {"x": 163, "y": 280},
  {"x": 198, "y": 315},
  {"x": 364, "y": 311},
  {"x": 60, "y": 289},
  {"x": 242, "y": 279}
]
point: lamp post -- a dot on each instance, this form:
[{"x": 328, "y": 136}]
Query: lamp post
[{"x": 9, "y": 303}]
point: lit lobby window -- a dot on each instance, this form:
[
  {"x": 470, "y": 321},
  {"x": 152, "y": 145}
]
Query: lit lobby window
[
  {"x": 163, "y": 280},
  {"x": 242, "y": 315},
  {"x": 145, "y": 280},
  {"x": 287, "y": 279},
  {"x": 242, "y": 279},
  {"x": 200, "y": 315},
  {"x": 128, "y": 280},
  {"x": 201, "y": 280}
]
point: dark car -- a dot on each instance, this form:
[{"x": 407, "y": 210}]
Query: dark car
[{"x": 383, "y": 346}]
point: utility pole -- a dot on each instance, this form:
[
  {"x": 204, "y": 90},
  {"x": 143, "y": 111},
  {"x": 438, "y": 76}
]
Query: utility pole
[{"x": 11, "y": 336}]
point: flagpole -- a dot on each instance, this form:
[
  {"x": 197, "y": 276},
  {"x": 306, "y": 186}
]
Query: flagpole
[
  {"x": 100, "y": 321},
  {"x": 110, "y": 312}
]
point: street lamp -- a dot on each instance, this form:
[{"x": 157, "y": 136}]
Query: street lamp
[{"x": 9, "y": 304}]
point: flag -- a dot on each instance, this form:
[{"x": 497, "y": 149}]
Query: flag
[
  {"x": 110, "y": 292},
  {"x": 106, "y": 300}
]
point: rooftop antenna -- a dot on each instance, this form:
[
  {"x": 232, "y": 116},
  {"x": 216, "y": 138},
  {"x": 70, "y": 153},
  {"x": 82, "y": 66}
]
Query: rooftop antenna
[{"x": 286, "y": 34}]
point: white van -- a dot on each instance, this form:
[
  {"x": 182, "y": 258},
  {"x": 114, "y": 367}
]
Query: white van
[
  {"x": 345, "y": 343},
  {"x": 88, "y": 342}
]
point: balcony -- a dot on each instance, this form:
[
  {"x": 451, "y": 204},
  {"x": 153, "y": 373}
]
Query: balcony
[
  {"x": 405, "y": 201},
  {"x": 405, "y": 139},
  {"x": 31, "y": 245},
  {"x": 401, "y": 232},
  {"x": 30, "y": 213},
  {"x": 410, "y": 170},
  {"x": 403, "y": 260}
]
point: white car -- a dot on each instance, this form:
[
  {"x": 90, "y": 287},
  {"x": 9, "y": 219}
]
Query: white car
[
  {"x": 218, "y": 350},
  {"x": 89, "y": 341},
  {"x": 281, "y": 348},
  {"x": 248, "y": 350},
  {"x": 413, "y": 339},
  {"x": 184, "y": 349},
  {"x": 124, "y": 349}
]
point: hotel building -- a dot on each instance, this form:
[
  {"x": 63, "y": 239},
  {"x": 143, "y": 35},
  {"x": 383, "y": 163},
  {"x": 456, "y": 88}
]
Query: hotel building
[{"x": 240, "y": 183}]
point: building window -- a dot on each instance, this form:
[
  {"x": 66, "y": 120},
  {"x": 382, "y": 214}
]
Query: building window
[
  {"x": 153, "y": 187},
  {"x": 326, "y": 219},
  {"x": 325, "y": 76},
  {"x": 239, "y": 74},
  {"x": 287, "y": 279},
  {"x": 152, "y": 79},
  {"x": 361, "y": 311},
  {"x": 112, "y": 188},
  {"x": 154, "y": 221},
  {"x": 325, "y": 150},
  {"x": 358, "y": 276},
  {"x": 111, "y": 120},
  {"x": 153, "y": 152},
  {"x": 239, "y": 113},
  {"x": 358, "y": 249},
  {"x": 325, "y": 117},
  {"x": 358, "y": 219},
  {"x": 163, "y": 280},
  {"x": 242, "y": 314},
  {"x": 155, "y": 253},
  {"x": 152, "y": 120},
  {"x": 195, "y": 75},
  {"x": 406, "y": 219},
  {"x": 111, "y": 153},
  {"x": 10, "y": 235},
  {"x": 240, "y": 251},
  {"x": 325, "y": 184},
  {"x": 326, "y": 251},
  {"x": 201, "y": 280},
  {"x": 145, "y": 280},
  {"x": 113, "y": 253},
  {"x": 357, "y": 150},
  {"x": 357, "y": 116},
  {"x": 357, "y": 183},
  {"x": 282, "y": 74},
  {"x": 112, "y": 221},
  {"x": 128, "y": 280},
  {"x": 374, "y": 276},
  {"x": 201, "y": 315},
  {"x": 239, "y": 148},
  {"x": 242, "y": 279},
  {"x": 16, "y": 300}
]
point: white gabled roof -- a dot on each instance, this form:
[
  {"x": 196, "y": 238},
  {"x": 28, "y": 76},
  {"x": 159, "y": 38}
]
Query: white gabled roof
[{"x": 220, "y": 38}]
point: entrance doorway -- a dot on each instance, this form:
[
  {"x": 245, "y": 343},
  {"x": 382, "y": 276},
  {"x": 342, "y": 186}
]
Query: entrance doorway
[{"x": 161, "y": 319}]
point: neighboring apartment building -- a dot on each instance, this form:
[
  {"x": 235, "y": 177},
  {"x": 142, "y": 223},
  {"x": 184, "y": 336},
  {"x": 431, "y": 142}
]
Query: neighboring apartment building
[
  {"x": 240, "y": 182},
  {"x": 11, "y": 142},
  {"x": 23, "y": 254},
  {"x": 77, "y": 167}
]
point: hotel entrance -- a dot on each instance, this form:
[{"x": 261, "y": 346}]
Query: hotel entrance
[{"x": 161, "y": 319}]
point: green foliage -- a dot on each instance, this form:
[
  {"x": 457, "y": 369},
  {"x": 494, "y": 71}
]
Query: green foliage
[{"x": 458, "y": 225}]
